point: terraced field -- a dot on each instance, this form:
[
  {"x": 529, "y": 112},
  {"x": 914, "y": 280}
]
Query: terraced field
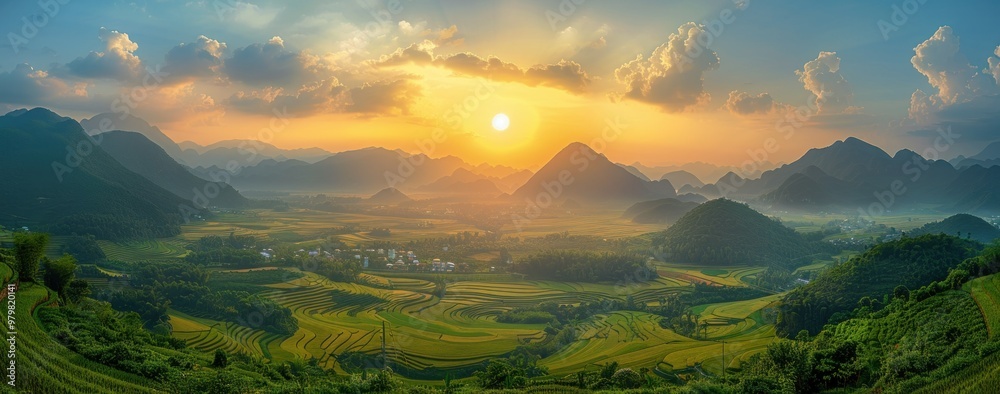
[
  {"x": 148, "y": 250},
  {"x": 45, "y": 366},
  {"x": 986, "y": 292},
  {"x": 425, "y": 331}
]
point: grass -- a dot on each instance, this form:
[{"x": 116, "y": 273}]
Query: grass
[{"x": 986, "y": 292}]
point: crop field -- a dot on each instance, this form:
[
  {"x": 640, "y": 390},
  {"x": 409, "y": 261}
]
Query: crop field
[
  {"x": 601, "y": 224},
  {"x": 148, "y": 250},
  {"x": 986, "y": 292},
  {"x": 722, "y": 276},
  {"x": 427, "y": 332}
]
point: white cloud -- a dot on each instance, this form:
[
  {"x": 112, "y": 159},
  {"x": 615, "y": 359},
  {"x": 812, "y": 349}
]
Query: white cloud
[
  {"x": 673, "y": 75},
  {"x": 117, "y": 61},
  {"x": 822, "y": 78},
  {"x": 743, "y": 103},
  {"x": 949, "y": 72}
]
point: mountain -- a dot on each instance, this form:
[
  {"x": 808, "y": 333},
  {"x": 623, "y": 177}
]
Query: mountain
[
  {"x": 105, "y": 122},
  {"x": 962, "y": 226},
  {"x": 908, "y": 262},
  {"x": 389, "y": 196},
  {"x": 65, "y": 183},
  {"x": 580, "y": 174},
  {"x": 813, "y": 188},
  {"x": 680, "y": 178},
  {"x": 634, "y": 171},
  {"x": 245, "y": 152},
  {"x": 703, "y": 171},
  {"x": 724, "y": 232},
  {"x": 515, "y": 180},
  {"x": 361, "y": 171},
  {"x": 143, "y": 157},
  {"x": 463, "y": 181},
  {"x": 662, "y": 211}
]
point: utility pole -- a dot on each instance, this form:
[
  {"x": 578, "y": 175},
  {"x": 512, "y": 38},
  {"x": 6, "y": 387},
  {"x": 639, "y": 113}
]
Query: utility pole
[{"x": 723, "y": 359}]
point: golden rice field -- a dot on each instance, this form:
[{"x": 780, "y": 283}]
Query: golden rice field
[{"x": 460, "y": 329}]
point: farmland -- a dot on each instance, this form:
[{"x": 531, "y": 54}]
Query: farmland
[{"x": 428, "y": 335}]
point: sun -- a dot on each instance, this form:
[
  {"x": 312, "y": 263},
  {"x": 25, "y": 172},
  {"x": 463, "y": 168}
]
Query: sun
[{"x": 501, "y": 122}]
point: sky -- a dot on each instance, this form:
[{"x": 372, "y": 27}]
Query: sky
[{"x": 730, "y": 82}]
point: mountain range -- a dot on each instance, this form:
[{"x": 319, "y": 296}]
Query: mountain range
[{"x": 63, "y": 181}]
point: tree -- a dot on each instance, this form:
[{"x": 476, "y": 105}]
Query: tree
[
  {"x": 77, "y": 289},
  {"x": 501, "y": 374},
  {"x": 28, "y": 249},
  {"x": 221, "y": 359},
  {"x": 59, "y": 272}
]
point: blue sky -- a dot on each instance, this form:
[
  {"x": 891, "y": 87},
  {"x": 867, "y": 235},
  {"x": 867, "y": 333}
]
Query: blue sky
[{"x": 759, "y": 52}]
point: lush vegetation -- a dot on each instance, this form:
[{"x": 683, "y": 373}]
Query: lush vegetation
[
  {"x": 908, "y": 262},
  {"x": 585, "y": 266},
  {"x": 726, "y": 233},
  {"x": 962, "y": 226}
]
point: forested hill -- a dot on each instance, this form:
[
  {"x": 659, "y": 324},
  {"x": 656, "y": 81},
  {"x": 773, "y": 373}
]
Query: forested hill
[
  {"x": 962, "y": 226},
  {"x": 725, "y": 232},
  {"x": 908, "y": 262},
  {"x": 61, "y": 181}
]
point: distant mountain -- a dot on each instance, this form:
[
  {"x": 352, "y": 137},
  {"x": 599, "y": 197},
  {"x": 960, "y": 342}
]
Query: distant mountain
[
  {"x": 961, "y": 225},
  {"x": 725, "y": 233},
  {"x": 389, "y": 196},
  {"x": 514, "y": 180},
  {"x": 662, "y": 211},
  {"x": 812, "y": 188},
  {"x": 86, "y": 192},
  {"x": 245, "y": 152},
  {"x": 580, "y": 174},
  {"x": 114, "y": 121},
  {"x": 635, "y": 171},
  {"x": 704, "y": 171},
  {"x": 680, "y": 178},
  {"x": 463, "y": 181},
  {"x": 142, "y": 156},
  {"x": 361, "y": 171}
]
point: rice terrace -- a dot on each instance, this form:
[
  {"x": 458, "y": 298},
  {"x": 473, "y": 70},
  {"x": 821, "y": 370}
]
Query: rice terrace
[{"x": 499, "y": 197}]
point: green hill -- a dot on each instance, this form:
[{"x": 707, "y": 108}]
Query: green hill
[
  {"x": 58, "y": 180},
  {"x": 142, "y": 156},
  {"x": 962, "y": 225},
  {"x": 909, "y": 262},
  {"x": 725, "y": 232}
]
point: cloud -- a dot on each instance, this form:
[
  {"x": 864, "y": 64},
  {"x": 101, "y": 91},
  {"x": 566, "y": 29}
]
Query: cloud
[
  {"x": 391, "y": 98},
  {"x": 673, "y": 76},
  {"x": 25, "y": 85},
  {"x": 962, "y": 97},
  {"x": 743, "y": 103},
  {"x": 948, "y": 70},
  {"x": 994, "y": 63},
  {"x": 271, "y": 64},
  {"x": 199, "y": 59},
  {"x": 318, "y": 97},
  {"x": 566, "y": 75},
  {"x": 117, "y": 61},
  {"x": 822, "y": 78}
]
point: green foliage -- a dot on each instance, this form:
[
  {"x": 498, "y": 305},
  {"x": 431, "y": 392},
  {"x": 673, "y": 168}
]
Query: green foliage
[
  {"x": 77, "y": 290},
  {"x": 220, "y": 359},
  {"x": 726, "y": 233},
  {"x": 28, "y": 250},
  {"x": 501, "y": 374},
  {"x": 583, "y": 266},
  {"x": 84, "y": 248},
  {"x": 909, "y": 262},
  {"x": 59, "y": 273}
]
